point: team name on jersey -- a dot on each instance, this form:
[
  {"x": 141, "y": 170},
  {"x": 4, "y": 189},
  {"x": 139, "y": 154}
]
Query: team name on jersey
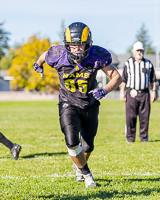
[{"x": 82, "y": 75}]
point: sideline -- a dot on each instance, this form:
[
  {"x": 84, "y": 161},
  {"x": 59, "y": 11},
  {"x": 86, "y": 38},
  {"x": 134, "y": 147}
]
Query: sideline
[
  {"x": 42, "y": 96},
  {"x": 27, "y": 96}
]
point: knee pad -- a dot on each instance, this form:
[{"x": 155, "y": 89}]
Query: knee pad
[
  {"x": 88, "y": 149},
  {"x": 74, "y": 152}
]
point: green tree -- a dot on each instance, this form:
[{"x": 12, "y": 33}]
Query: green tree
[
  {"x": 6, "y": 61},
  {"x": 3, "y": 40},
  {"x": 142, "y": 36}
]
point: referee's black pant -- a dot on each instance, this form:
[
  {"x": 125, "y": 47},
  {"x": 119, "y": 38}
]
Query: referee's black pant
[{"x": 140, "y": 105}]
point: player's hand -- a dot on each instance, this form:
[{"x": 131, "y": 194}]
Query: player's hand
[
  {"x": 38, "y": 69},
  {"x": 98, "y": 93}
]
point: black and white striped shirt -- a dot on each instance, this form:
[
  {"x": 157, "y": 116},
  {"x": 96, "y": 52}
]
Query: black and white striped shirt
[{"x": 137, "y": 75}]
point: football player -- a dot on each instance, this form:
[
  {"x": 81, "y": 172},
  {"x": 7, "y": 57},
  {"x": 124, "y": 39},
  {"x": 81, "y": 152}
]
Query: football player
[
  {"x": 77, "y": 63},
  {"x": 14, "y": 148}
]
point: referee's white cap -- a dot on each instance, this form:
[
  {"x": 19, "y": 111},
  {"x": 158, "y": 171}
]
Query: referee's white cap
[{"x": 138, "y": 46}]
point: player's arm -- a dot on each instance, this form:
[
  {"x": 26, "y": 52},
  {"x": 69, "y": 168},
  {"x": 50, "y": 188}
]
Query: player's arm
[
  {"x": 115, "y": 81},
  {"x": 41, "y": 59},
  {"x": 38, "y": 65},
  {"x": 115, "y": 78}
]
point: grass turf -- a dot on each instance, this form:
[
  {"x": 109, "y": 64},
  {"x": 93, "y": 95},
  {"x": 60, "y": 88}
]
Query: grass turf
[{"x": 44, "y": 170}]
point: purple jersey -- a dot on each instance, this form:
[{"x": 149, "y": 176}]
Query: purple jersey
[{"x": 76, "y": 80}]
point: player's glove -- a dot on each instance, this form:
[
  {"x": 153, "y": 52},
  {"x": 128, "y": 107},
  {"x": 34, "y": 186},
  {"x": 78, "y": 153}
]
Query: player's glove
[
  {"x": 99, "y": 93},
  {"x": 38, "y": 69}
]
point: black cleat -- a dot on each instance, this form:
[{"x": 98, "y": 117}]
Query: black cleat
[{"x": 15, "y": 151}]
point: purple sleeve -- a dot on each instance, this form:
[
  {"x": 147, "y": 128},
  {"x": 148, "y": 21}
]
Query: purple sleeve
[
  {"x": 54, "y": 54},
  {"x": 101, "y": 57},
  {"x": 124, "y": 75}
]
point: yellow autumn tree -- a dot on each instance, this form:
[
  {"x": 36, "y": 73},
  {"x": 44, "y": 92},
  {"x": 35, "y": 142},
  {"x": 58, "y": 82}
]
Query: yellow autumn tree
[{"x": 22, "y": 71}]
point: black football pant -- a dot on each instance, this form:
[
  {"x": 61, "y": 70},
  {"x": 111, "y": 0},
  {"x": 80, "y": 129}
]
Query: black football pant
[
  {"x": 140, "y": 105},
  {"x": 79, "y": 125}
]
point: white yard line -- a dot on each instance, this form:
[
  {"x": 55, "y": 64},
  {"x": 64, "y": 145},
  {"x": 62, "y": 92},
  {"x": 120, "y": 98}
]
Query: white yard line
[{"x": 71, "y": 175}]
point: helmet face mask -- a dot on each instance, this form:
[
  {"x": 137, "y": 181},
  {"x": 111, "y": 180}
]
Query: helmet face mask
[
  {"x": 77, "y": 51},
  {"x": 77, "y": 34}
]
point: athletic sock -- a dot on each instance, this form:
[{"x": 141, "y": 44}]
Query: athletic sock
[
  {"x": 85, "y": 170},
  {"x": 5, "y": 141}
]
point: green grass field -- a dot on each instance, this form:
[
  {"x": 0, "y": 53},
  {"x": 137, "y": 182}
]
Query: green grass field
[{"x": 44, "y": 169}]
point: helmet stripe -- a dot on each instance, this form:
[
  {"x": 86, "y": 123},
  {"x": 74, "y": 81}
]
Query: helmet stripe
[
  {"x": 85, "y": 34},
  {"x": 68, "y": 35}
]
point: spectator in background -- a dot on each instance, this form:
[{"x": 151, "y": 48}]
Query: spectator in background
[{"x": 137, "y": 76}]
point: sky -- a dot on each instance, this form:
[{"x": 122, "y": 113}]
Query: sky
[{"x": 114, "y": 23}]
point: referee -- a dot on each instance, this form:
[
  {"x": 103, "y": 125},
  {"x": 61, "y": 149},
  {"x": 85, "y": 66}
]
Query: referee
[{"x": 138, "y": 75}]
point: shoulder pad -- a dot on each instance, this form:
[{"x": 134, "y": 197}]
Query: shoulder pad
[
  {"x": 101, "y": 55},
  {"x": 54, "y": 54}
]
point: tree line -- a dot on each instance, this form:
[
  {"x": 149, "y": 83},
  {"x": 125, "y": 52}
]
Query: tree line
[{"x": 19, "y": 60}]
